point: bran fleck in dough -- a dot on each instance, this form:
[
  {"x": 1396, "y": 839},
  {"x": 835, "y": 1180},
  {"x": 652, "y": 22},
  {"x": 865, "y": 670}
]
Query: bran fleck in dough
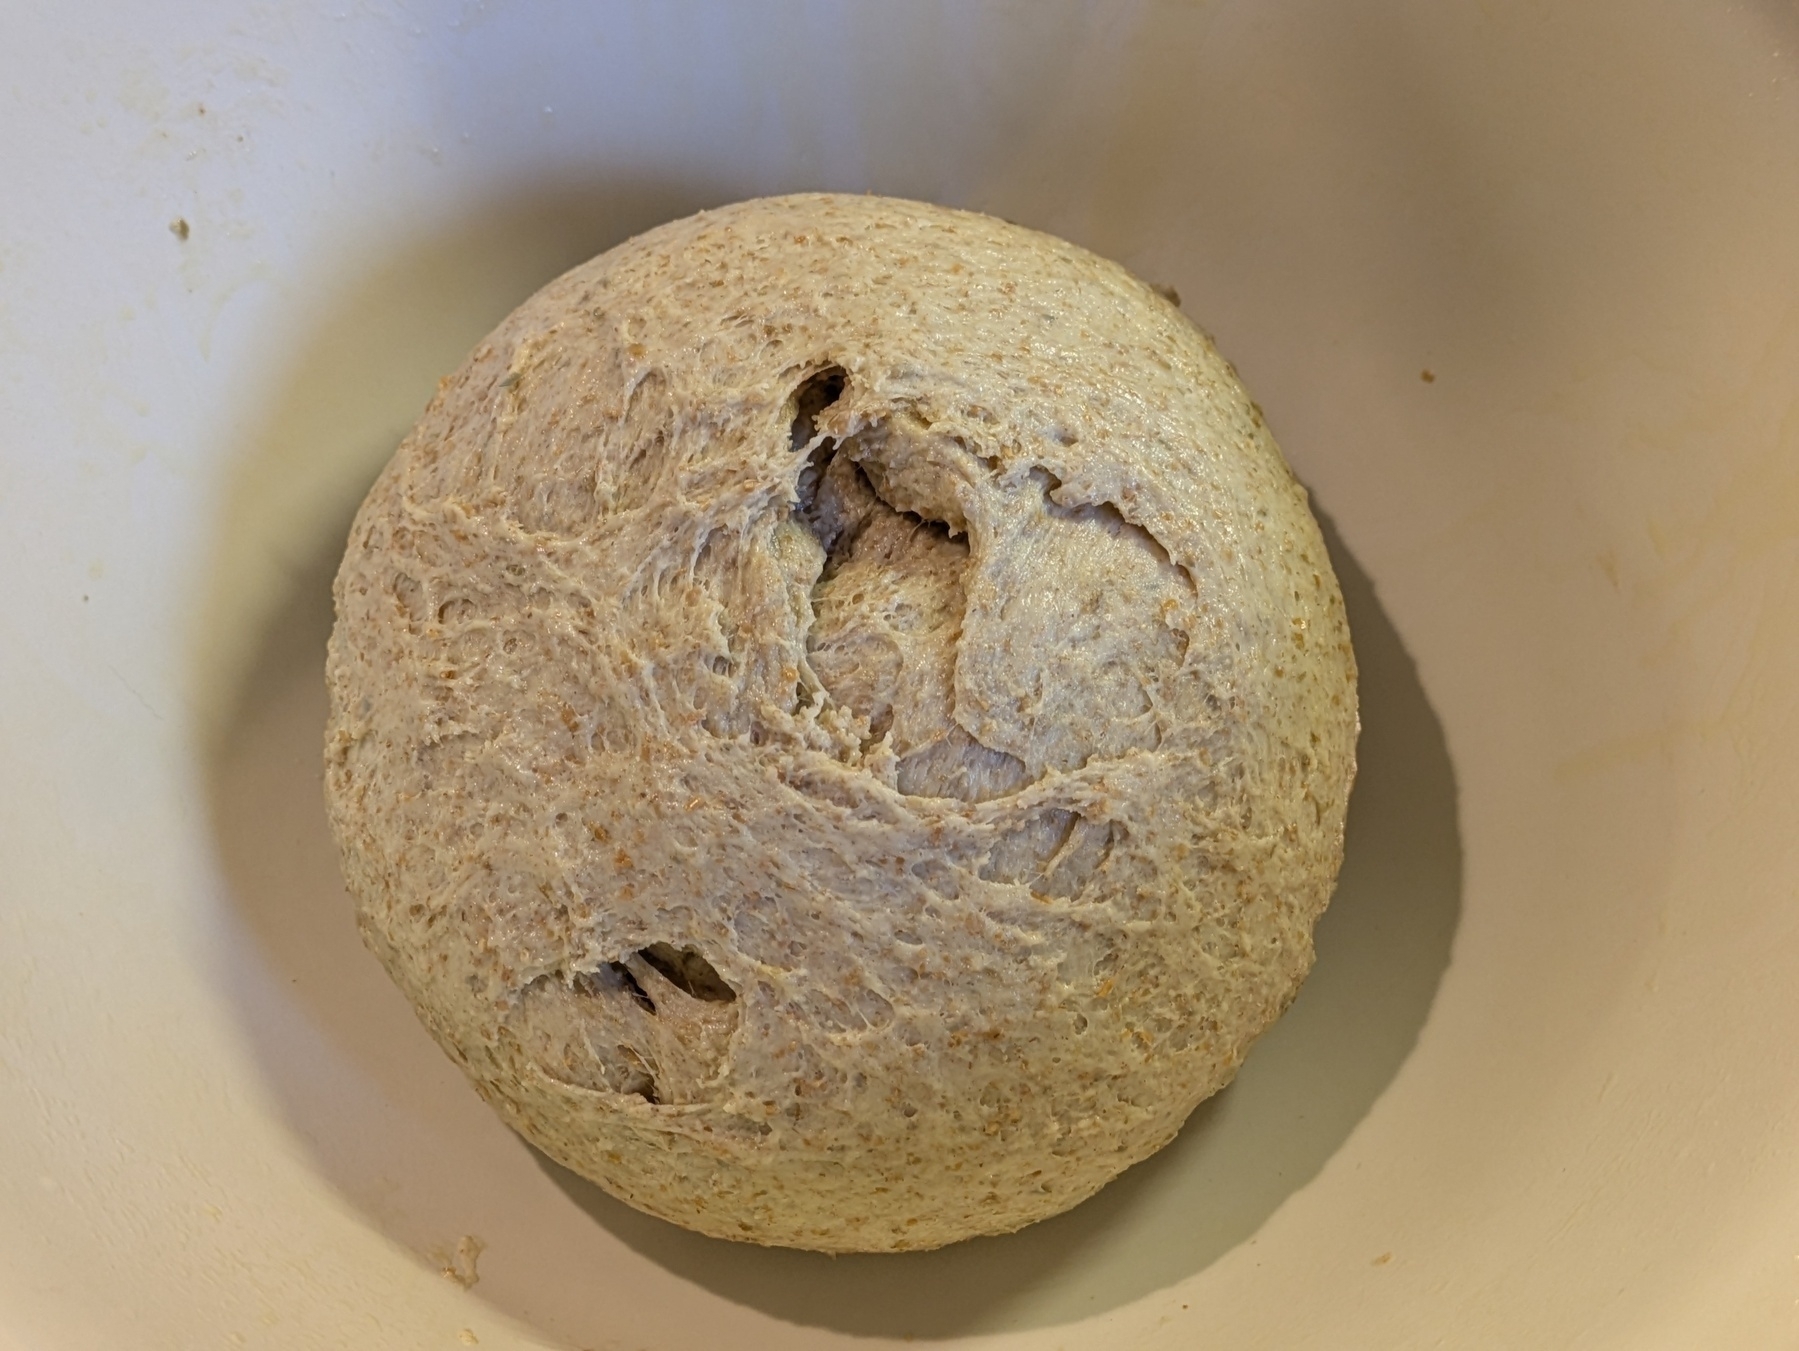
[{"x": 841, "y": 722}]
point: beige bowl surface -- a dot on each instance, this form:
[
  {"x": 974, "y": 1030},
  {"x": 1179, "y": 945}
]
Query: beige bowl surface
[{"x": 1518, "y": 286}]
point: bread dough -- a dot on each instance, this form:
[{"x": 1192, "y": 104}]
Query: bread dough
[{"x": 841, "y": 722}]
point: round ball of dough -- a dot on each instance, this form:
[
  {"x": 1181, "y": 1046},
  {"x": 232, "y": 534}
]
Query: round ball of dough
[{"x": 841, "y": 722}]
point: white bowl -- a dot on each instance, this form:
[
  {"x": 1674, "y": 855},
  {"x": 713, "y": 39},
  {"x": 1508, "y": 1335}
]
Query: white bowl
[{"x": 1518, "y": 286}]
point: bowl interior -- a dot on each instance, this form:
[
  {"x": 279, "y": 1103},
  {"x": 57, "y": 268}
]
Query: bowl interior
[{"x": 1515, "y": 286}]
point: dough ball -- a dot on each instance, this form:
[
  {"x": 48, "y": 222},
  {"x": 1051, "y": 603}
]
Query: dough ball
[{"x": 841, "y": 722}]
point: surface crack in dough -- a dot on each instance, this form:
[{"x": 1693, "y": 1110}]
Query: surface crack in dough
[
  {"x": 1092, "y": 588},
  {"x": 1056, "y": 853},
  {"x": 688, "y": 972},
  {"x": 887, "y": 620},
  {"x": 656, "y": 1025}
]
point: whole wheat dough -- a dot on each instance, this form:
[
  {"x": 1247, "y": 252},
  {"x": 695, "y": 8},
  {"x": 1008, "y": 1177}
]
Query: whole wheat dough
[{"x": 842, "y": 722}]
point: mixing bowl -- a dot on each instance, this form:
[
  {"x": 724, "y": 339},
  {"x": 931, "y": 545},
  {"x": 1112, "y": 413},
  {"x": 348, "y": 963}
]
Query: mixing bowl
[{"x": 1518, "y": 286}]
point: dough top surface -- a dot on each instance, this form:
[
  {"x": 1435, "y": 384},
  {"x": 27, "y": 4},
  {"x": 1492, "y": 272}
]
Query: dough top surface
[{"x": 842, "y": 721}]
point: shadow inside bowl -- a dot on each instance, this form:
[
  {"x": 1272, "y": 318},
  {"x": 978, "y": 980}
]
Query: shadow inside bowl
[{"x": 393, "y": 1128}]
